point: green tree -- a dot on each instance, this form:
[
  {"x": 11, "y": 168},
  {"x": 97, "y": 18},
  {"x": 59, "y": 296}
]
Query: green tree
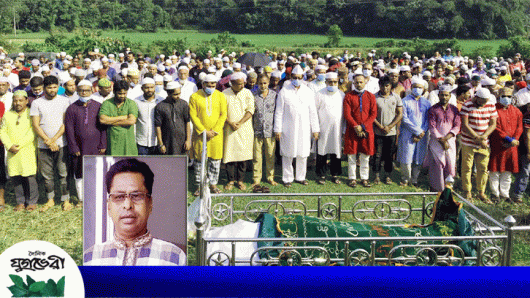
[{"x": 334, "y": 36}]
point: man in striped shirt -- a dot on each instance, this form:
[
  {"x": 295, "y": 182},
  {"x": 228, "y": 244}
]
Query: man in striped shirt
[{"x": 479, "y": 119}]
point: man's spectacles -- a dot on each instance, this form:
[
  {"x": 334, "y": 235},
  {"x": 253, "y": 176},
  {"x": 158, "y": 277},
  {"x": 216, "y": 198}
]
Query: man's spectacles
[{"x": 136, "y": 197}]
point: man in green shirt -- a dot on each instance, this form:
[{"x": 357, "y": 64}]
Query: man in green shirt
[{"x": 120, "y": 114}]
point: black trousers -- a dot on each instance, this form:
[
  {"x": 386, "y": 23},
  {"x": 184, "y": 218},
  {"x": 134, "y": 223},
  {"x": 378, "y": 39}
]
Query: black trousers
[
  {"x": 384, "y": 146},
  {"x": 236, "y": 170},
  {"x": 322, "y": 166}
]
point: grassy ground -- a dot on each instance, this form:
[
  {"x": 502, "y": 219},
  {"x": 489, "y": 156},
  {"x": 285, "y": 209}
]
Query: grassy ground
[
  {"x": 261, "y": 41},
  {"x": 499, "y": 212}
]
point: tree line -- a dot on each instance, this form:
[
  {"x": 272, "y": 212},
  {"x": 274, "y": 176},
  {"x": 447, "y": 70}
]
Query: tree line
[{"x": 375, "y": 18}]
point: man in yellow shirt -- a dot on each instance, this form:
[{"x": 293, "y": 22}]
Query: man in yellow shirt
[
  {"x": 18, "y": 137},
  {"x": 208, "y": 110}
]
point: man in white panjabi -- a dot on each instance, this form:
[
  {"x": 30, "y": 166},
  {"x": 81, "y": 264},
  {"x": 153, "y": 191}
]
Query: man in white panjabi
[
  {"x": 238, "y": 130},
  {"x": 295, "y": 119},
  {"x": 329, "y": 103}
]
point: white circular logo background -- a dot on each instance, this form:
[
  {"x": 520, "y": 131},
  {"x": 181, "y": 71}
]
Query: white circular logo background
[{"x": 49, "y": 267}]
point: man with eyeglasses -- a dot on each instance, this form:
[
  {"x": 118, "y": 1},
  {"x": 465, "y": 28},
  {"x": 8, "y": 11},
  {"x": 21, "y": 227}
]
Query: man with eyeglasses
[
  {"x": 129, "y": 185},
  {"x": 84, "y": 133}
]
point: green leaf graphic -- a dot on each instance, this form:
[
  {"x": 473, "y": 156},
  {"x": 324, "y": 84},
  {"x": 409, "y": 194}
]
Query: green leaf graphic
[
  {"x": 18, "y": 281},
  {"x": 29, "y": 280},
  {"x": 50, "y": 290},
  {"x": 17, "y": 292},
  {"x": 60, "y": 287},
  {"x": 37, "y": 287}
]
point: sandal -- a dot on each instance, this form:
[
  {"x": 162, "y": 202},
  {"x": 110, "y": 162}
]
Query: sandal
[
  {"x": 336, "y": 180},
  {"x": 377, "y": 180},
  {"x": 230, "y": 185},
  {"x": 321, "y": 181},
  {"x": 485, "y": 199},
  {"x": 31, "y": 208},
  {"x": 365, "y": 183},
  {"x": 241, "y": 185},
  {"x": 273, "y": 183},
  {"x": 287, "y": 184},
  {"x": 215, "y": 189},
  {"x": 257, "y": 189},
  {"x": 303, "y": 182},
  {"x": 265, "y": 189},
  {"x": 388, "y": 181},
  {"x": 352, "y": 183}
]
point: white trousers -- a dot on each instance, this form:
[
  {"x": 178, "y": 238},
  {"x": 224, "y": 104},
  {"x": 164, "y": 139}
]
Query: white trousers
[
  {"x": 79, "y": 188},
  {"x": 364, "y": 169},
  {"x": 287, "y": 169},
  {"x": 500, "y": 184},
  {"x": 410, "y": 172}
]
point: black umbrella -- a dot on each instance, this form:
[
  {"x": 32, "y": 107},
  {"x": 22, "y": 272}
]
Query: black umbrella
[{"x": 254, "y": 59}]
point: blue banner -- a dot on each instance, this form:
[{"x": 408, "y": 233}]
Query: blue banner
[{"x": 306, "y": 281}]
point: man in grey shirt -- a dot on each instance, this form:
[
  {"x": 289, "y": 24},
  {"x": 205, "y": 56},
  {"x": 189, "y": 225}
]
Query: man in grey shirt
[
  {"x": 389, "y": 114},
  {"x": 47, "y": 116}
]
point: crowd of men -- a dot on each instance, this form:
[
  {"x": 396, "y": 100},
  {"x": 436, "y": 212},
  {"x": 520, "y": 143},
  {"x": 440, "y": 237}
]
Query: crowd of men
[{"x": 455, "y": 116}]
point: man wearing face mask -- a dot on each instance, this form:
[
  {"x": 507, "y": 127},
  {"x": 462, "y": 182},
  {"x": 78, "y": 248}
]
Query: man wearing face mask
[
  {"x": 295, "y": 120},
  {"x": 344, "y": 83},
  {"x": 135, "y": 89},
  {"x": 84, "y": 133},
  {"x": 372, "y": 84},
  {"x": 504, "y": 142},
  {"x": 479, "y": 120},
  {"x": 238, "y": 131},
  {"x": 208, "y": 112},
  {"x": 320, "y": 82},
  {"x": 329, "y": 104},
  {"x": 413, "y": 134},
  {"x": 444, "y": 126},
  {"x": 105, "y": 91},
  {"x": 521, "y": 99},
  {"x": 187, "y": 86},
  {"x": 360, "y": 111},
  {"x": 37, "y": 89}
]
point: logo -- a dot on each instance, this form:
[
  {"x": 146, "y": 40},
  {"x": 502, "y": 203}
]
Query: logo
[{"x": 39, "y": 269}]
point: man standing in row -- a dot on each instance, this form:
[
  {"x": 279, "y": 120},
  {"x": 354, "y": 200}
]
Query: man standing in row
[{"x": 145, "y": 126}]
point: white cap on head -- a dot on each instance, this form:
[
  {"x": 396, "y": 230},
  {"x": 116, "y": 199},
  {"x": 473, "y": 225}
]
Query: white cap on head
[
  {"x": 237, "y": 65},
  {"x": 87, "y": 60},
  {"x": 168, "y": 61},
  {"x": 488, "y": 82},
  {"x": 35, "y": 62},
  {"x": 483, "y": 93},
  {"x": 427, "y": 74},
  {"x": 186, "y": 52},
  {"x": 80, "y": 73},
  {"x": 84, "y": 83},
  {"x": 159, "y": 78},
  {"x": 445, "y": 88},
  {"x": 105, "y": 59},
  {"x": 212, "y": 69},
  {"x": 184, "y": 67},
  {"x": 161, "y": 67},
  {"x": 297, "y": 70},
  {"x": 168, "y": 78},
  {"x": 226, "y": 59},
  {"x": 72, "y": 71},
  {"x": 45, "y": 68},
  {"x": 210, "y": 78},
  {"x": 162, "y": 56},
  {"x": 331, "y": 75},
  {"x": 238, "y": 76},
  {"x": 418, "y": 81},
  {"x": 504, "y": 68},
  {"x": 96, "y": 51},
  {"x": 276, "y": 74},
  {"x": 63, "y": 54},
  {"x": 121, "y": 55},
  {"x": 147, "y": 81},
  {"x": 273, "y": 65},
  {"x": 394, "y": 70},
  {"x": 320, "y": 67},
  {"x": 173, "y": 85},
  {"x": 404, "y": 68},
  {"x": 206, "y": 61},
  {"x": 111, "y": 56}
]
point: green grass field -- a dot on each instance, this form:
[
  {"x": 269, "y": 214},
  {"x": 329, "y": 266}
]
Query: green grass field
[{"x": 261, "y": 41}]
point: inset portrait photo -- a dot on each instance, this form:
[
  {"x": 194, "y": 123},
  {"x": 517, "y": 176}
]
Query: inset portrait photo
[{"x": 134, "y": 211}]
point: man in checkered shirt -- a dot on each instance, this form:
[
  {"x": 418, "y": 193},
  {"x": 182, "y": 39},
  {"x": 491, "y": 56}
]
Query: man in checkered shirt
[{"x": 130, "y": 184}]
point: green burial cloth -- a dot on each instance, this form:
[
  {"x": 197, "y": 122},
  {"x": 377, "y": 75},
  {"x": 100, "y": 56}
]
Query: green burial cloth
[{"x": 448, "y": 219}]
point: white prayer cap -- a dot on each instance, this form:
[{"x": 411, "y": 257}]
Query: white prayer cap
[
  {"x": 273, "y": 65},
  {"x": 183, "y": 67},
  {"x": 394, "y": 70},
  {"x": 492, "y": 71},
  {"x": 281, "y": 62},
  {"x": 418, "y": 81},
  {"x": 355, "y": 62},
  {"x": 210, "y": 52},
  {"x": 35, "y": 62},
  {"x": 483, "y": 93},
  {"x": 72, "y": 71},
  {"x": 162, "y": 56},
  {"x": 212, "y": 69},
  {"x": 405, "y": 53},
  {"x": 358, "y": 71},
  {"x": 210, "y": 78},
  {"x": 427, "y": 74},
  {"x": 4, "y": 80},
  {"x": 161, "y": 67},
  {"x": 445, "y": 88},
  {"x": 96, "y": 67},
  {"x": 448, "y": 50},
  {"x": 276, "y": 74},
  {"x": 111, "y": 56},
  {"x": 80, "y": 73},
  {"x": 238, "y": 76},
  {"x": 321, "y": 67},
  {"x": 217, "y": 59},
  {"x": 96, "y": 51},
  {"x": 105, "y": 59},
  {"x": 87, "y": 60},
  {"x": 45, "y": 68},
  {"x": 168, "y": 78},
  {"x": 186, "y": 60},
  {"x": 159, "y": 78},
  {"x": 370, "y": 54},
  {"x": 186, "y": 52},
  {"x": 303, "y": 56},
  {"x": 321, "y": 61},
  {"x": 487, "y": 82},
  {"x": 169, "y": 61},
  {"x": 464, "y": 67},
  {"x": 147, "y": 81},
  {"x": 449, "y": 79},
  {"x": 504, "y": 68},
  {"x": 121, "y": 55},
  {"x": 206, "y": 61},
  {"x": 202, "y": 76},
  {"x": 331, "y": 75},
  {"x": 404, "y": 68},
  {"x": 297, "y": 70},
  {"x": 2, "y": 56},
  {"x": 133, "y": 72},
  {"x": 63, "y": 54},
  {"x": 84, "y": 83},
  {"x": 67, "y": 61},
  {"x": 226, "y": 59},
  {"x": 173, "y": 85},
  {"x": 236, "y": 65}
]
